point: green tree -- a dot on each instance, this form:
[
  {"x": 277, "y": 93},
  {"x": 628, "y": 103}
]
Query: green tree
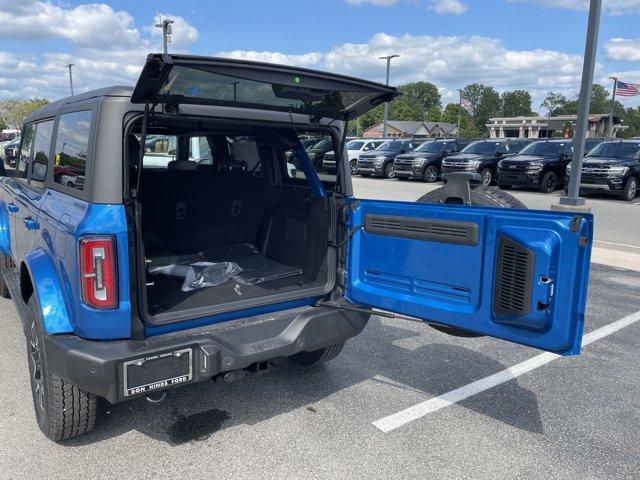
[
  {"x": 434, "y": 114},
  {"x": 515, "y": 103},
  {"x": 553, "y": 102},
  {"x": 372, "y": 117},
  {"x": 415, "y": 101},
  {"x": 14, "y": 112},
  {"x": 484, "y": 102},
  {"x": 450, "y": 114}
]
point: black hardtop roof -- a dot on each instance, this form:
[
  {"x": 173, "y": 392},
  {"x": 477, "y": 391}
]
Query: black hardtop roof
[{"x": 52, "y": 108}]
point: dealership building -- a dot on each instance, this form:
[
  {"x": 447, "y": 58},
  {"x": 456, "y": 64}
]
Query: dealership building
[
  {"x": 411, "y": 129},
  {"x": 544, "y": 127}
]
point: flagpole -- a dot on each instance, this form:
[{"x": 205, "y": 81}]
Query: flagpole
[
  {"x": 613, "y": 105},
  {"x": 459, "y": 112}
]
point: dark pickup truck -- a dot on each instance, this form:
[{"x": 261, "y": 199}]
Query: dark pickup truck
[{"x": 425, "y": 162}]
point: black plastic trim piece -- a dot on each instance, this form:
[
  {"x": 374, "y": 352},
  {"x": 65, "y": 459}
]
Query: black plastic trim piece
[
  {"x": 513, "y": 278},
  {"x": 441, "y": 231}
]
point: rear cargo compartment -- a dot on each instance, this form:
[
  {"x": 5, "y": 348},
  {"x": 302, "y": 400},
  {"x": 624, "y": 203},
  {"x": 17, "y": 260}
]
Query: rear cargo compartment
[{"x": 241, "y": 237}]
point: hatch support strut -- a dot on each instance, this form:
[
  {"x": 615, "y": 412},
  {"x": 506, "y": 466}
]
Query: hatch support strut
[{"x": 143, "y": 142}]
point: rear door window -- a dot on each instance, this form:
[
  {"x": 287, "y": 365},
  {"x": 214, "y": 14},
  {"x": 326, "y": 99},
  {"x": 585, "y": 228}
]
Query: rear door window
[
  {"x": 26, "y": 151},
  {"x": 41, "y": 152},
  {"x": 72, "y": 145}
]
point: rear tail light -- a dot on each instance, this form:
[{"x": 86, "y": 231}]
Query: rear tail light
[{"x": 98, "y": 273}]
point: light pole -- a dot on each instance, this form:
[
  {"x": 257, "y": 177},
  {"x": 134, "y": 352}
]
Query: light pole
[
  {"x": 386, "y": 104},
  {"x": 166, "y": 33},
  {"x": 573, "y": 200},
  {"x": 70, "y": 77}
]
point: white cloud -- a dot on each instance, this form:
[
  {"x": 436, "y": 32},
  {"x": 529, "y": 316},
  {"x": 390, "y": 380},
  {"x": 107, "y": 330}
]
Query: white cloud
[
  {"x": 96, "y": 25},
  {"x": 455, "y": 7},
  {"x": 612, "y": 7},
  {"x": 443, "y": 60},
  {"x": 106, "y": 47},
  {"x": 623, "y": 49},
  {"x": 379, "y": 3}
]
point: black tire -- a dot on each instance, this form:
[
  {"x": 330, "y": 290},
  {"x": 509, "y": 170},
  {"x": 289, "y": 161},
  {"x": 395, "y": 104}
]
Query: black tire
[
  {"x": 5, "y": 264},
  {"x": 388, "y": 171},
  {"x": 364, "y": 174},
  {"x": 549, "y": 183},
  {"x": 630, "y": 190},
  {"x": 486, "y": 176},
  {"x": 62, "y": 410},
  {"x": 505, "y": 187},
  {"x": 431, "y": 174},
  {"x": 353, "y": 165},
  {"x": 317, "y": 357},
  {"x": 485, "y": 196}
]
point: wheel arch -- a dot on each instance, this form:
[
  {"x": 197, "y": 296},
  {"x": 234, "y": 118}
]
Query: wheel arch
[{"x": 38, "y": 276}]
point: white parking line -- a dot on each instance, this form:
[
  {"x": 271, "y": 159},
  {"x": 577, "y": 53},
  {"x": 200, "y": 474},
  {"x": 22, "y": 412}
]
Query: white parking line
[
  {"x": 422, "y": 409},
  {"x": 618, "y": 244}
]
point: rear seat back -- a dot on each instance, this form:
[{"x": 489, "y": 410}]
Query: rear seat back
[{"x": 188, "y": 211}]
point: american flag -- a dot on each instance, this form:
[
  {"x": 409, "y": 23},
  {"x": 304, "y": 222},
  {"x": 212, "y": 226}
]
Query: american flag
[
  {"x": 465, "y": 103},
  {"x": 627, "y": 89}
]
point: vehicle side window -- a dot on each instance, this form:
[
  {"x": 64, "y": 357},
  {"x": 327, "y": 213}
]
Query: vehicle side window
[
  {"x": 369, "y": 146},
  {"x": 568, "y": 150},
  {"x": 26, "y": 151},
  {"x": 41, "y": 149},
  {"x": 503, "y": 148},
  {"x": 450, "y": 148},
  {"x": 72, "y": 144}
]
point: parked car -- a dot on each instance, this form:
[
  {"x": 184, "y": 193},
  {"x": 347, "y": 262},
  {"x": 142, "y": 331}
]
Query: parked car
[
  {"x": 482, "y": 157},
  {"x": 318, "y": 150},
  {"x": 379, "y": 162},
  {"x": 355, "y": 148},
  {"x": 11, "y": 150},
  {"x": 611, "y": 167},
  {"x": 139, "y": 281},
  {"x": 425, "y": 161},
  {"x": 540, "y": 164},
  {"x": 5, "y": 139}
]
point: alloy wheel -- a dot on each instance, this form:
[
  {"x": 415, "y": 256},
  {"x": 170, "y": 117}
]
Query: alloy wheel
[
  {"x": 632, "y": 189},
  {"x": 431, "y": 174},
  {"x": 35, "y": 358},
  {"x": 487, "y": 177}
]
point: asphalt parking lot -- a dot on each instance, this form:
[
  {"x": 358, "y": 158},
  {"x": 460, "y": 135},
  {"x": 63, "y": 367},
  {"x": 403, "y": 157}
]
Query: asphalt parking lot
[{"x": 575, "y": 417}]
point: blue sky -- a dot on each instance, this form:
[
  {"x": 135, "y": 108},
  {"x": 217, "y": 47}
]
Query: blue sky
[{"x": 532, "y": 44}]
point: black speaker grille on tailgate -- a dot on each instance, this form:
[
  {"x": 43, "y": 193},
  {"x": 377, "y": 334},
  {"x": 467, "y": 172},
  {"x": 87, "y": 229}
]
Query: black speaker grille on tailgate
[
  {"x": 442, "y": 231},
  {"x": 514, "y": 278}
]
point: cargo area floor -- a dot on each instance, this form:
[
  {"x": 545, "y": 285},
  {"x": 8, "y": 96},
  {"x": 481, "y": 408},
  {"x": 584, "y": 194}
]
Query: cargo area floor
[{"x": 165, "y": 295}]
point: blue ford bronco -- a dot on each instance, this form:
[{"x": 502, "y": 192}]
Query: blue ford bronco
[{"x": 175, "y": 232}]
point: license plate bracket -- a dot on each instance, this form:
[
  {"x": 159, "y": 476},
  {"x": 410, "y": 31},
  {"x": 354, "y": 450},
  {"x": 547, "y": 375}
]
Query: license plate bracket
[{"x": 157, "y": 372}]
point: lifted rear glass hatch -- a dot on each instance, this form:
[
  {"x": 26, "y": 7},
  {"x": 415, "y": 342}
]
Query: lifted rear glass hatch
[{"x": 182, "y": 79}]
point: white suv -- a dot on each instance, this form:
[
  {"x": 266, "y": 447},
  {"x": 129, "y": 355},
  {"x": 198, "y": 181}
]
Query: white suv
[{"x": 354, "y": 149}]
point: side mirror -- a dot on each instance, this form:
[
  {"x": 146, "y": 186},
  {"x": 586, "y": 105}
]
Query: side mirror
[{"x": 499, "y": 154}]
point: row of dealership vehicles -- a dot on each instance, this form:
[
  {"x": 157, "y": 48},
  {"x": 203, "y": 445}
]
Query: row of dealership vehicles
[{"x": 611, "y": 166}]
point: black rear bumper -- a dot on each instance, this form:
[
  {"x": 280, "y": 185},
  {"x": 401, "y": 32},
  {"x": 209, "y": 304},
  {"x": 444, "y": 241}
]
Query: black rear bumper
[{"x": 98, "y": 366}]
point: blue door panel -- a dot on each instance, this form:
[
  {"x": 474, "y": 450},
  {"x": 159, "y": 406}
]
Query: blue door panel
[{"x": 434, "y": 272}]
